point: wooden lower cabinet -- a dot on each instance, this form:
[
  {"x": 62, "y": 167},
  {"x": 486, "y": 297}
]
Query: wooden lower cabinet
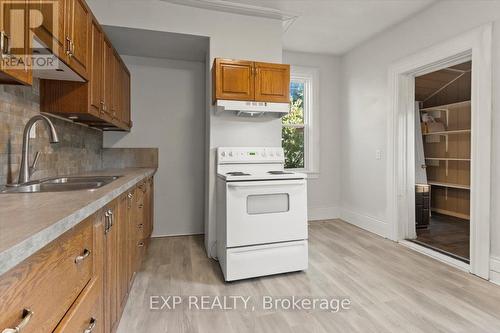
[
  {"x": 86, "y": 314},
  {"x": 41, "y": 289},
  {"x": 80, "y": 282}
]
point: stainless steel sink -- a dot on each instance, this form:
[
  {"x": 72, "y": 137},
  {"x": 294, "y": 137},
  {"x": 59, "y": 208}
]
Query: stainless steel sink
[{"x": 61, "y": 184}]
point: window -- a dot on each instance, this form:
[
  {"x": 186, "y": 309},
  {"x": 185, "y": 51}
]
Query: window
[{"x": 299, "y": 136}]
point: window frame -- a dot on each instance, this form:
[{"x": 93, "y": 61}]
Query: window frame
[{"x": 310, "y": 77}]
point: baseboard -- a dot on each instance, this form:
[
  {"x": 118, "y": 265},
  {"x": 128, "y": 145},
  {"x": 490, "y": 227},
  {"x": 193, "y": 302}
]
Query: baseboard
[
  {"x": 323, "y": 213},
  {"x": 495, "y": 270},
  {"x": 176, "y": 235},
  {"x": 366, "y": 222}
]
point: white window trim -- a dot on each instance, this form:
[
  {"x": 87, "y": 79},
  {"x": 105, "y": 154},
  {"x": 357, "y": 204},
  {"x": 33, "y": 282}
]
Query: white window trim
[{"x": 311, "y": 131}]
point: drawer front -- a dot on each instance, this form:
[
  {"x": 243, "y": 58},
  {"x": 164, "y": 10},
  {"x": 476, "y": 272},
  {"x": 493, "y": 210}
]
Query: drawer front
[
  {"x": 48, "y": 282},
  {"x": 86, "y": 314}
]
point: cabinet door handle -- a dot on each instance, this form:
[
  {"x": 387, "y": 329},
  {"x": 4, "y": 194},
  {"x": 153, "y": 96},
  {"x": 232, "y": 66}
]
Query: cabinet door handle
[
  {"x": 140, "y": 226},
  {"x": 107, "y": 222},
  {"x": 140, "y": 244},
  {"x": 27, "y": 314},
  {"x": 85, "y": 255},
  {"x": 91, "y": 327},
  {"x": 111, "y": 218},
  {"x": 68, "y": 45},
  {"x": 141, "y": 206}
]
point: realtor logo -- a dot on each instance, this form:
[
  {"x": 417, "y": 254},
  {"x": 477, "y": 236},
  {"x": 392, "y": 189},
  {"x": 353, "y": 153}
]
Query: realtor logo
[{"x": 29, "y": 34}]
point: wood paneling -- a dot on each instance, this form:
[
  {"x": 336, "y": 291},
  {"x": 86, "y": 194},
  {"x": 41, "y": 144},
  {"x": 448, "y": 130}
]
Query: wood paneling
[
  {"x": 272, "y": 82},
  {"x": 48, "y": 282}
]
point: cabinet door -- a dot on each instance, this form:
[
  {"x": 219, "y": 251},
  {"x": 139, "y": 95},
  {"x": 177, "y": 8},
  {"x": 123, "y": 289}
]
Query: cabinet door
[
  {"x": 111, "y": 270},
  {"x": 116, "y": 88},
  {"x": 108, "y": 59},
  {"x": 272, "y": 82},
  {"x": 121, "y": 224},
  {"x": 49, "y": 19},
  {"x": 234, "y": 79},
  {"x": 96, "y": 68},
  {"x": 79, "y": 31},
  {"x": 131, "y": 235},
  {"x": 125, "y": 96},
  {"x": 16, "y": 44}
]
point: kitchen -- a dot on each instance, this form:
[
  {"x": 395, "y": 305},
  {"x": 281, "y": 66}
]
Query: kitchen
[{"x": 148, "y": 112}]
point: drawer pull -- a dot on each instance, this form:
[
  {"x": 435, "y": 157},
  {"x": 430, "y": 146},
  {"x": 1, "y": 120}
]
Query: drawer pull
[
  {"x": 141, "y": 206},
  {"x": 91, "y": 327},
  {"x": 84, "y": 256},
  {"x": 27, "y": 314}
]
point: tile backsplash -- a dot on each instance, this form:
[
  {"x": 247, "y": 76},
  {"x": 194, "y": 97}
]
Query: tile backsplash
[{"x": 79, "y": 148}]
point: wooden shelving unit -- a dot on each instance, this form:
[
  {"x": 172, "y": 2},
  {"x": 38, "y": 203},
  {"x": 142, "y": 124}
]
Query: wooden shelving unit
[
  {"x": 462, "y": 131},
  {"x": 445, "y": 107},
  {"x": 447, "y": 159},
  {"x": 449, "y": 185}
]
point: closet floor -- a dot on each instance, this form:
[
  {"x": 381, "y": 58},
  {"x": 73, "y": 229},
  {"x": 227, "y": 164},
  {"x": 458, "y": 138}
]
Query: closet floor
[{"x": 448, "y": 234}]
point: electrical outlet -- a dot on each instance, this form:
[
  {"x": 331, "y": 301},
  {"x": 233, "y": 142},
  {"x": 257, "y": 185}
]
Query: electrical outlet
[{"x": 378, "y": 154}]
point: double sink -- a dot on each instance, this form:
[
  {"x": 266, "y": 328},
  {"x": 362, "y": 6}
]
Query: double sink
[{"x": 61, "y": 184}]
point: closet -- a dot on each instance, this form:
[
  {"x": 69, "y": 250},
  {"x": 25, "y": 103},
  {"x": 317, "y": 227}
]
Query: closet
[{"x": 444, "y": 114}]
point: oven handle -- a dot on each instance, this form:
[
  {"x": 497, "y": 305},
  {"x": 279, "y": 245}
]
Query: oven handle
[{"x": 267, "y": 183}]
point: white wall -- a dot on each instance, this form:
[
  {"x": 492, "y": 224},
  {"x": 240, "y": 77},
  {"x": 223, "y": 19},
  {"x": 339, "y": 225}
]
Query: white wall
[
  {"x": 365, "y": 106},
  {"x": 168, "y": 105},
  {"x": 231, "y": 36},
  {"x": 324, "y": 191}
]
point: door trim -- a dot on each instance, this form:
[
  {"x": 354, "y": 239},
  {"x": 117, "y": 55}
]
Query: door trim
[{"x": 475, "y": 45}]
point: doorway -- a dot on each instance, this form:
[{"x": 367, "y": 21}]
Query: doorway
[
  {"x": 443, "y": 160},
  {"x": 474, "y": 46}
]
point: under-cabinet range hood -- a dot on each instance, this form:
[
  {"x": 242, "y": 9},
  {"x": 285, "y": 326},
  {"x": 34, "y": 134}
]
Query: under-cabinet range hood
[{"x": 252, "y": 109}]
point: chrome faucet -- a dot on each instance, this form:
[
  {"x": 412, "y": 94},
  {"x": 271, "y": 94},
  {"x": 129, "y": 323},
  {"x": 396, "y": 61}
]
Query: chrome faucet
[{"x": 25, "y": 172}]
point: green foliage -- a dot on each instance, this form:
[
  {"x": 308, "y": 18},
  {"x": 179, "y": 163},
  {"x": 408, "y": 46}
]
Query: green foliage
[{"x": 293, "y": 137}]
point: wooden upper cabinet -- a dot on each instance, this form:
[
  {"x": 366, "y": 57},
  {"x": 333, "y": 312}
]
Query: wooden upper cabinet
[
  {"x": 125, "y": 97},
  {"x": 251, "y": 81},
  {"x": 234, "y": 79},
  {"x": 16, "y": 42},
  {"x": 78, "y": 32},
  {"x": 272, "y": 82},
  {"x": 107, "y": 79},
  {"x": 96, "y": 68}
]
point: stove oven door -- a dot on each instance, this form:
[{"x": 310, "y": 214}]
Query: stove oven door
[{"x": 261, "y": 212}]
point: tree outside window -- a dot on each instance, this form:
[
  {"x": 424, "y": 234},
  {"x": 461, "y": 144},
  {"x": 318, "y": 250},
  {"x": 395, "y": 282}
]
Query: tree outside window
[{"x": 294, "y": 127}]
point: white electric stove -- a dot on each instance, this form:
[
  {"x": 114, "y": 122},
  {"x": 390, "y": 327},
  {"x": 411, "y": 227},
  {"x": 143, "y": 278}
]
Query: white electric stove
[{"x": 261, "y": 213}]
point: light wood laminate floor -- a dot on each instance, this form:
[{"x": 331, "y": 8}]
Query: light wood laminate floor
[{"x": 391, "y": 288}]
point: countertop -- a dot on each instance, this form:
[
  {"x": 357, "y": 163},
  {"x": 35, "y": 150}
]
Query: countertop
[{"x": 29, "y": 221}]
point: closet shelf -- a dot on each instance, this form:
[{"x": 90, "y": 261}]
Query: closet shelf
[
  {"x": 447, "y": 159},
  {"x": 445, "y": 106},
  {"x": 448, "y": 132},
  {"x": 450, "y": 185}
]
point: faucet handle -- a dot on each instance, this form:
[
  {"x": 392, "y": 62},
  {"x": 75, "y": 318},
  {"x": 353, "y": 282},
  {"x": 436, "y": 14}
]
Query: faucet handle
[{"x": 35, "y": 162}]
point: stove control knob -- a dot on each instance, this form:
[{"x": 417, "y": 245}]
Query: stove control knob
[
  {"x": 263, "y": 154},
  {"x": 223, "y": 154},
  {"x": 231, "y": 154}
]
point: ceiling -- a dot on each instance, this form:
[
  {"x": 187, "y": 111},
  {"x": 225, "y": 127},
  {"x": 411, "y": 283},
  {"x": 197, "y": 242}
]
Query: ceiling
[
  {"x": 322, "y": 26},
  {"x": 157, "y": 44}
]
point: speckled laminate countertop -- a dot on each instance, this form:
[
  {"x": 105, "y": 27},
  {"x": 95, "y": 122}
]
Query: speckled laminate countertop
[{"x": 29, "y": 221}]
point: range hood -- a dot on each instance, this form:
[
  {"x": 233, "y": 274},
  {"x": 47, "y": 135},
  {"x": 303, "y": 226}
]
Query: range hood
[{"x": 252, "y": 109}]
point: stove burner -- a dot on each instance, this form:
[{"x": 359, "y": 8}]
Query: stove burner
[
  {"x": 238, "y": 173},
  {"x": 279, "y": 173}
]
